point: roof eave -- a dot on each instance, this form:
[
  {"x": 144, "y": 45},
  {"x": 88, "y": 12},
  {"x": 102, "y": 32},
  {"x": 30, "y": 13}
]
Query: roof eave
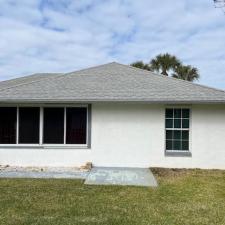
[{"x": 77, "y": 101}]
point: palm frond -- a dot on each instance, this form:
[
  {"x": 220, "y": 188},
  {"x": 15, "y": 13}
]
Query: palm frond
[
  {"x": 164, "y": 62},
  {"x": 141, "y": 65},
  {"x": 188, "y": 73}
]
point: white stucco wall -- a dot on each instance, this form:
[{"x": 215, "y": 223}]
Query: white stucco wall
[{"x": 133, "y": 135}]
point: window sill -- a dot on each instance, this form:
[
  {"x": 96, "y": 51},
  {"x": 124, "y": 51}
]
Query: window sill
[
  {"x": 65, "y": 146},
  {"x": 57, "y": 147},
  {"x": 178, "y": 154}
]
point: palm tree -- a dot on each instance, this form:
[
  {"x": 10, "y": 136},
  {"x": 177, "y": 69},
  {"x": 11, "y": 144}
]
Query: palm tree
[
  {"x": 141, "y": 65},
  {"x": 167, "y": 65},
  {"x": 163, "y": 63},
  {"x": 188, "y": 73}
]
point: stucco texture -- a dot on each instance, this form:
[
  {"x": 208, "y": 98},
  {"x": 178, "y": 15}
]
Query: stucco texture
[{"x": 133, "y": 135}]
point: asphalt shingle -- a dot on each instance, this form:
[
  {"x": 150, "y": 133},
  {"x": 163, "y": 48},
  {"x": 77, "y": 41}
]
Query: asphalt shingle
[{"x": 111, "y": 82}]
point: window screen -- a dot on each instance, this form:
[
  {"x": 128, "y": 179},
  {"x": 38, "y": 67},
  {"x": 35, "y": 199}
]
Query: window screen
[
  {"x": 177, "y": 129},
  {"x": 76, "y": 125},
  {"x": 8, "y": 118},
  {"x": 60, "y": 125},
  {"x": 53, "y": 132},
  {"x": 29, "y": 119}
]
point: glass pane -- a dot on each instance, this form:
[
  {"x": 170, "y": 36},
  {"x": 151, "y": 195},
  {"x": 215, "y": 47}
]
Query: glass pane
[
  {"x": 169, "y": 134},
  {"x": 169, "y": 123},
  {"x": 29, "y": 125},
  {"x": 177, "y": 113},
  {"x": 177, "y": 123},
  {"x": 169, "y": 145},
  {"x": 177, "y": 134},
  {"x": 176, "y": 145},
  {"x": 169, "y": 113},
  {"x": 185, "y": 145},
  {"x": 53, "y": 126},
  {"x": 185, "y": 113},
  {"x": 185, "y": 123},
  {"x": 76, "y": 125},
  {"x": 8, "y": 125},
  {"x": 185, "y": 135}
]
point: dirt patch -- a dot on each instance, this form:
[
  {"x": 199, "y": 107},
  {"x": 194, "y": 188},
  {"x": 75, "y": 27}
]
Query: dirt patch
[{"x": 170, "y": 173}]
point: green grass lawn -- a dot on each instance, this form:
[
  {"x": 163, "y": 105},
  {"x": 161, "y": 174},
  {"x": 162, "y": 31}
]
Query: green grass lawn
[{"x": 184, "y": 197}]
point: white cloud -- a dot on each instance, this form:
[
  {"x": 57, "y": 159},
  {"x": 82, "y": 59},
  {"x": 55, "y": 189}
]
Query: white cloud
[{"x": 65, "y": 35}]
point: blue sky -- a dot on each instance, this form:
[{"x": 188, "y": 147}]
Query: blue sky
[{"x": 65, "y": 35}]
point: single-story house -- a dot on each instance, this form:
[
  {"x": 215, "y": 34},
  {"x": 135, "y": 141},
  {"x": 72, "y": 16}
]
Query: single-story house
[{"x": 111, "y": 115}]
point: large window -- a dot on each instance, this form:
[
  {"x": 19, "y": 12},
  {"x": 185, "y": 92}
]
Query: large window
[
  {"x": 29, "y": 122},
  {"x": 44, "y": 125},
  {"x": 177, "y": 129},
  {"x": 8, "y": 119}
]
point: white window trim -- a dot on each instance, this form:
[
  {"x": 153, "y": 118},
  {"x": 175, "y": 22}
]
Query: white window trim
[
  {"x": 64, "y": 135},
  {"x": 41, "y": 144},
  {"x": 189, "y": 129},
  {"x": 41, "y": 127},
  {"x": 17, "y": 125}
]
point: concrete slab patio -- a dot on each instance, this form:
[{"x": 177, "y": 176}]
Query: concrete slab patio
[
  {"x": 121, "y": 176},
  {"x": 97, "y": 175}
]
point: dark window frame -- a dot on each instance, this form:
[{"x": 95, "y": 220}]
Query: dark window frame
[
  {"x": 41, "y": 126},
  {"x": 178, "y": 130}
]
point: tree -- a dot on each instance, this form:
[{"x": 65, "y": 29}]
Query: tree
[
  {"x": 163, "y": 63},
  {"x": 141, "y": 65},
  {"x": 167, "y": 64},
  {"x": 188, "y": 73}
]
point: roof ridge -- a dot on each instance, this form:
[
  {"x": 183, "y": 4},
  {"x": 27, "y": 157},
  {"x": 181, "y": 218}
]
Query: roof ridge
[
  {"x": 167, "y": 77},
  {"x": 43, "y": 78},
  {"x": 91, "y": 67}
]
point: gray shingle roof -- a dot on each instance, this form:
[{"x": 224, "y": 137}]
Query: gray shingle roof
[
  {"x": 26, "y": 79},
  {"x": 109, "y": 82}
]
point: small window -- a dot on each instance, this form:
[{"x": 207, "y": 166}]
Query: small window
[
  {"x": 29, "y": 120},
  {"x": 177, "y": 129},
  {"x": 8, "y": 120},
  {"x": 53, "y": 132},
  {"x": 76, "y": 125}
]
